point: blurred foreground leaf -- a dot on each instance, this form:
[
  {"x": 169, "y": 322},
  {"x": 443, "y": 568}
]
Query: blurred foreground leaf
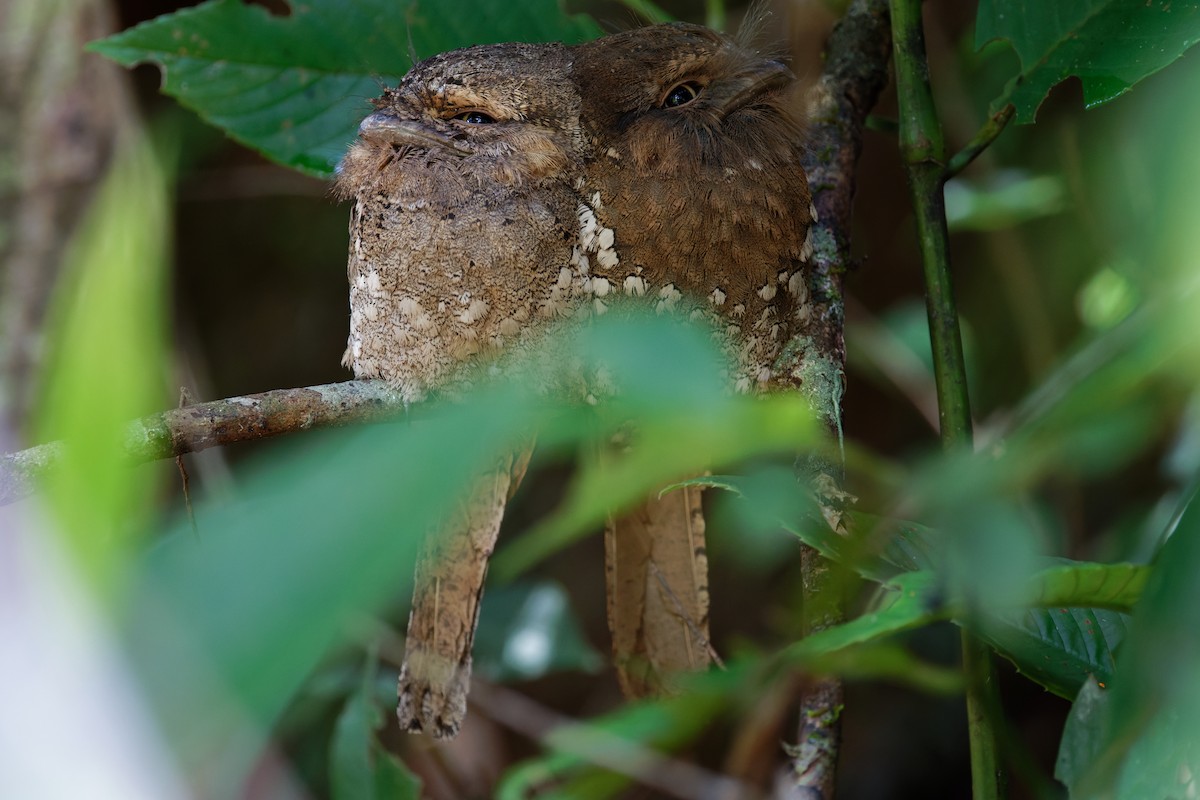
[
  {"x": 224, "y": 628},
  {"x": 1108, "y": 44},
  {"x": 106, "y": 360},
  {"x": 295, "y": 87}
]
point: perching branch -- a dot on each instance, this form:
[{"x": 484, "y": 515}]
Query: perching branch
[{"x": 204, "y": 425}]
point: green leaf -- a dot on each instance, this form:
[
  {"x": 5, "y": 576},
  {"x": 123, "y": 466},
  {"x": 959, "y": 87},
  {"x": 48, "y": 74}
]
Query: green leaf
[
  {"x": 1150, "y": 737},
  {"x": 526, "y": 631},
  {"x": 1083, "y": 736},
  {"x": 106, "y": 361},
  {"x": 325, "y": 531},
  {"x": 1108, "y": 44},
  {"x": 360, "y": 769},
  {"x": 1059, "y": 648},
  {"x": 911, "y": 603},
  {"x": 295, "y": 87},
  {"x": 677, "y": 443},
  {"x": 1112, "y": 586}
]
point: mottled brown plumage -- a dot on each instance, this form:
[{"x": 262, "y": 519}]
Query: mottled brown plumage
[{"x": 501, "y": 187}]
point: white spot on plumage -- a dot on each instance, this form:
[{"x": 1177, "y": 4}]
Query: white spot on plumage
[
  {"x": 596, "y": 200},
  {"x": 408, "y": 308},
  {"x": 717, "y": 298},
  {"x": 605, "y": 238},
  {"x": 739, "y": 310},
  {"x": 635, "y": 286},
  {"x": 607, "y": 259},
  {"x": 476, "y": 311},
  {"x": 767, "y": 292},
  {"x": 797, "y": 287},
  {"x": 599, "y": 306},
  {"x": 812, "y": 212}
]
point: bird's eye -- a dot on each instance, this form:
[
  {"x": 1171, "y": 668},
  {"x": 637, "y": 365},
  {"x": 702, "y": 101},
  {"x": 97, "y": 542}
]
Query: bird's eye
[
  {"x": 681, "y": 95},
  {"x": 475, "y": 118}
]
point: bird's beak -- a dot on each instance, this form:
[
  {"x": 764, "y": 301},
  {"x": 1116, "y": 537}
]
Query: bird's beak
[
  {"x": 387, "y": 127},
  {"x": 748, "y": 86}
]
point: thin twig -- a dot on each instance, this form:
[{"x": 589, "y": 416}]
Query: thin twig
[
  {"x": 667, "y": 776},
  {"x": 986, "y": 135},
  {"x": 234, "y": 419},
  {"x": 185, "y": 400}
]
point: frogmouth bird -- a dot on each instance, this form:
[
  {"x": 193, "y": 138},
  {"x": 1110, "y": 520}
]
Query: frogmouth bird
[{"x": 502, "y": 187}]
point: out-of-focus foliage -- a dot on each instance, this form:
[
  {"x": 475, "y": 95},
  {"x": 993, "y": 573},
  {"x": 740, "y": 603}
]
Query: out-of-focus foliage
[
  {"x": 295, "y": 87},
  {"x": 254, "y": 628},
  {"x": 315, "y": 541},
  {"x": 107, "y": 360}
]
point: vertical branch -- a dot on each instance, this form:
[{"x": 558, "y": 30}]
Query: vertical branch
[
  {"x": 924, "y": 154},
  {"x": 855, "y": 72}
]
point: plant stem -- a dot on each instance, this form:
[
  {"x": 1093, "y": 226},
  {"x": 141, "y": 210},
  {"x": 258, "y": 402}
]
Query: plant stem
[
  {"x": 924, "y": 153},
  {"x": 647, "y": 9},
  {"x": 986, "y": 135},
  {"x": 714, "y": 14}
]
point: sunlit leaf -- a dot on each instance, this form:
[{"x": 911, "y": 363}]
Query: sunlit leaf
[{"x": 106, "y": 362}]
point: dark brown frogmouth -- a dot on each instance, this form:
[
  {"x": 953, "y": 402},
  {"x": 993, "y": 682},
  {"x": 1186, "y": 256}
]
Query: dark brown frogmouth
[{"x": 501, "y": 187}]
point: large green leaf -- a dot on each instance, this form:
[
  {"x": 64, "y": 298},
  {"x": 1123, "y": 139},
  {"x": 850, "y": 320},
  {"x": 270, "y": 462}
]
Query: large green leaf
[
  {"x": 223, "y": 629},
  {"x": 1059, "y": 648},
  {"x": 1108, "y": 44},
  {"x": 1144, "y": 741},
  {"x": 295, "y": 87}
]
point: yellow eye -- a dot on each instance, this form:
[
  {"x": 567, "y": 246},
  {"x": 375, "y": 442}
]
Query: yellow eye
[
  {"x": 681, "y": 95},
  {"x": 475, "y": 118}
]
